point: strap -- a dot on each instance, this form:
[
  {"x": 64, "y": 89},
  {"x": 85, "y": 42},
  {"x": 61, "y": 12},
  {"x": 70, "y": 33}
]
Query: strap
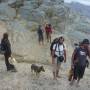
[
  {"x": 55, "y": 47},
  {"x": 59, "y": 49}
]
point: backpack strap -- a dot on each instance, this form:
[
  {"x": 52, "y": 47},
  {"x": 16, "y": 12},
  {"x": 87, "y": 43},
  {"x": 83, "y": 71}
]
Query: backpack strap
[{"x": 56, "y": 47}]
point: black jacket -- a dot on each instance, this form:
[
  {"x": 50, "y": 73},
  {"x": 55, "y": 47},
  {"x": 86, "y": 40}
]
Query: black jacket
[{"x": 7, "y": 46}]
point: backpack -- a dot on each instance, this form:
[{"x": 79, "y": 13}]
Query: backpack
[
  {"x": 53, "y": 42},
  {"x": 2, "y": 50},
  {"x": 75, "y": 56}
]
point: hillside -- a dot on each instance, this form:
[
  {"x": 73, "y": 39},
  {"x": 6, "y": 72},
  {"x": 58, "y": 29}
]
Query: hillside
[{"x": 80, "y": 8}]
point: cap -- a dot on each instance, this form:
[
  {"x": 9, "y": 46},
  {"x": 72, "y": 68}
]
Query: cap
[{"x": 85, "y": 41}]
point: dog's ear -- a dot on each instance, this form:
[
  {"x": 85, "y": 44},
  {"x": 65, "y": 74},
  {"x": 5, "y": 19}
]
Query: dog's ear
[{"x": 42, "y": 68}]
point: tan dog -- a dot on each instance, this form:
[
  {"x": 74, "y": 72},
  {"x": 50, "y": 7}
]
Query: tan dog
[
  {"x": 12, "y": 61},
  {"x": 37, "y": 69}
]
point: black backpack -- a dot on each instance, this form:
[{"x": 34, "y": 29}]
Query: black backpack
[
  {"x": 53, "y": 42},
  {"x": 2, "y": 49}
]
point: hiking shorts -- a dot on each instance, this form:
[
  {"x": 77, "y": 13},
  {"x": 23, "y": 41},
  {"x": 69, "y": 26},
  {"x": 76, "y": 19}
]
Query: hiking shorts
[
  {"x": 79, "y": 71},
  {"x": 56, "y": 65}
]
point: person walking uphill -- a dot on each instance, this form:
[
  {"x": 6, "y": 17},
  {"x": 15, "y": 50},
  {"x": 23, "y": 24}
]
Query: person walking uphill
[
  {"x": 58, "y": 56},
  {"x": 79, "y": 60},
  {"x": 40, "y": 35},
  {"x": 7, "y": 48},
  {"x": 48, "y": 30}
]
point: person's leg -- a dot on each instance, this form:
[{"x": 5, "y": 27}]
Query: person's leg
[
  {"x": 58, "y": 68},
  {"x": 80, "y": 74},
  {"x": 42, "y": 40},
  {"x": 47, "y": 35},
  {"x": 54, "y": 70},
  {"x": 50, "y": 37},
  {"x": 78, "y": 80},
  {"x": 39, "y": 39},
  {"x": 7, "y": 62}
]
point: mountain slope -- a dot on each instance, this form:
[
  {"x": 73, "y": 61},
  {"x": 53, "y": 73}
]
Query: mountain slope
[{"x": 80, "y": 8}]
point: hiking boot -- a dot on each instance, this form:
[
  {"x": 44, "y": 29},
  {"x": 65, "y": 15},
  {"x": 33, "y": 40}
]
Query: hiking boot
[
  {"x": 8, "y": 69},
  {"x": 13, "y": 70}
]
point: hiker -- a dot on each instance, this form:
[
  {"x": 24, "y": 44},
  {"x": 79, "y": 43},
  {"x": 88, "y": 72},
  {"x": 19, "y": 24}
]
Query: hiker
[
  {"x": 7, "y": 48},
  {"x": 58, "y": 56},
  {"x": 71, "y": 71},
  {"x": 79, "y": 61},
  {"x": 48, "y": 29},
  {"x": 40, "y": 35}
]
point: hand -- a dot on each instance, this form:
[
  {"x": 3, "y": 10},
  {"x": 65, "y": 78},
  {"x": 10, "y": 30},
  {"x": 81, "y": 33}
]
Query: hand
[{"x": 65, "y": 61}]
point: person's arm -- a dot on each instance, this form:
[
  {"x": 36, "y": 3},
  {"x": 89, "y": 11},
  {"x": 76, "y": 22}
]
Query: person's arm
[
  {"x": 89, "y": 51},
  {"x": 53, "y": 54},
  {"x": 64, "y": 52},
  {"x": 53, "y": 60},
  {"x": 65, "y": 55}
]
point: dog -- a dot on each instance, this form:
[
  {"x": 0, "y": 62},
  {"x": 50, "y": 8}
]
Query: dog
[
  {"x": 13, "y": 62},
  {"x": 37, "y": 69},
  {"x": 71, "y": 73}
]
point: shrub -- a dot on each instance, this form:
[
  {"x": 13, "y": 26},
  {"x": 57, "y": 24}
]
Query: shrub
[{"x": 49, "y": 12}]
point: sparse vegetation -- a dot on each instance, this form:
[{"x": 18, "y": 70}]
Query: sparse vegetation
[{"x": 49, "y": 13}]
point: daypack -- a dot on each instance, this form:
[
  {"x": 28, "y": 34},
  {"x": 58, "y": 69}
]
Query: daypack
[
  {"x": 2, "y": 50},
  {"x": 76, "y": 57},
  {"x": 53, "y": 42}
]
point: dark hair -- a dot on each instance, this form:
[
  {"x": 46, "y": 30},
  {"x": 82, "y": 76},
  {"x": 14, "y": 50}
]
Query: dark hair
[
  {"x": 49, "y": 25},
  {"x": 61, "y": 38},
  {"x": 85, "y": 41},
  {"x": 5, "y": 36}
]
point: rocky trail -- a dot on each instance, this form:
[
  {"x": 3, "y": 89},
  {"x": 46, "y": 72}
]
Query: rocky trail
[{"x": 25, "y": 80}]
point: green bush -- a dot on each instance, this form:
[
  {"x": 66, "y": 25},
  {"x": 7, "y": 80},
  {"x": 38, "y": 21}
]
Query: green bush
[{"x": 49, "y": 12}]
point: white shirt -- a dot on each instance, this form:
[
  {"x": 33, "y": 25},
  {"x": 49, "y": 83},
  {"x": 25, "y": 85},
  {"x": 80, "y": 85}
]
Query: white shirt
[{"x": 59, "y": 49}]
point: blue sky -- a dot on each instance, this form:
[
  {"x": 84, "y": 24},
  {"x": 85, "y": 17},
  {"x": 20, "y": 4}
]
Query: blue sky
[{"x": 86, "y": 2}]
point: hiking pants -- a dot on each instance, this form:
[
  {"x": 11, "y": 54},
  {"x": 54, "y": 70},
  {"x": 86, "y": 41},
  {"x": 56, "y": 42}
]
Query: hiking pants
[{"x": 8, "y": 65}]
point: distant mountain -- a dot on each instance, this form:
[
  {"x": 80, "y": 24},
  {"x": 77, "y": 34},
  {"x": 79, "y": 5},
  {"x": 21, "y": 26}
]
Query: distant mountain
[{"x": 80, "y": 8}]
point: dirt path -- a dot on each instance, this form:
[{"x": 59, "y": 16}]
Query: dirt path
[{"x": 25, "y": 80}]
